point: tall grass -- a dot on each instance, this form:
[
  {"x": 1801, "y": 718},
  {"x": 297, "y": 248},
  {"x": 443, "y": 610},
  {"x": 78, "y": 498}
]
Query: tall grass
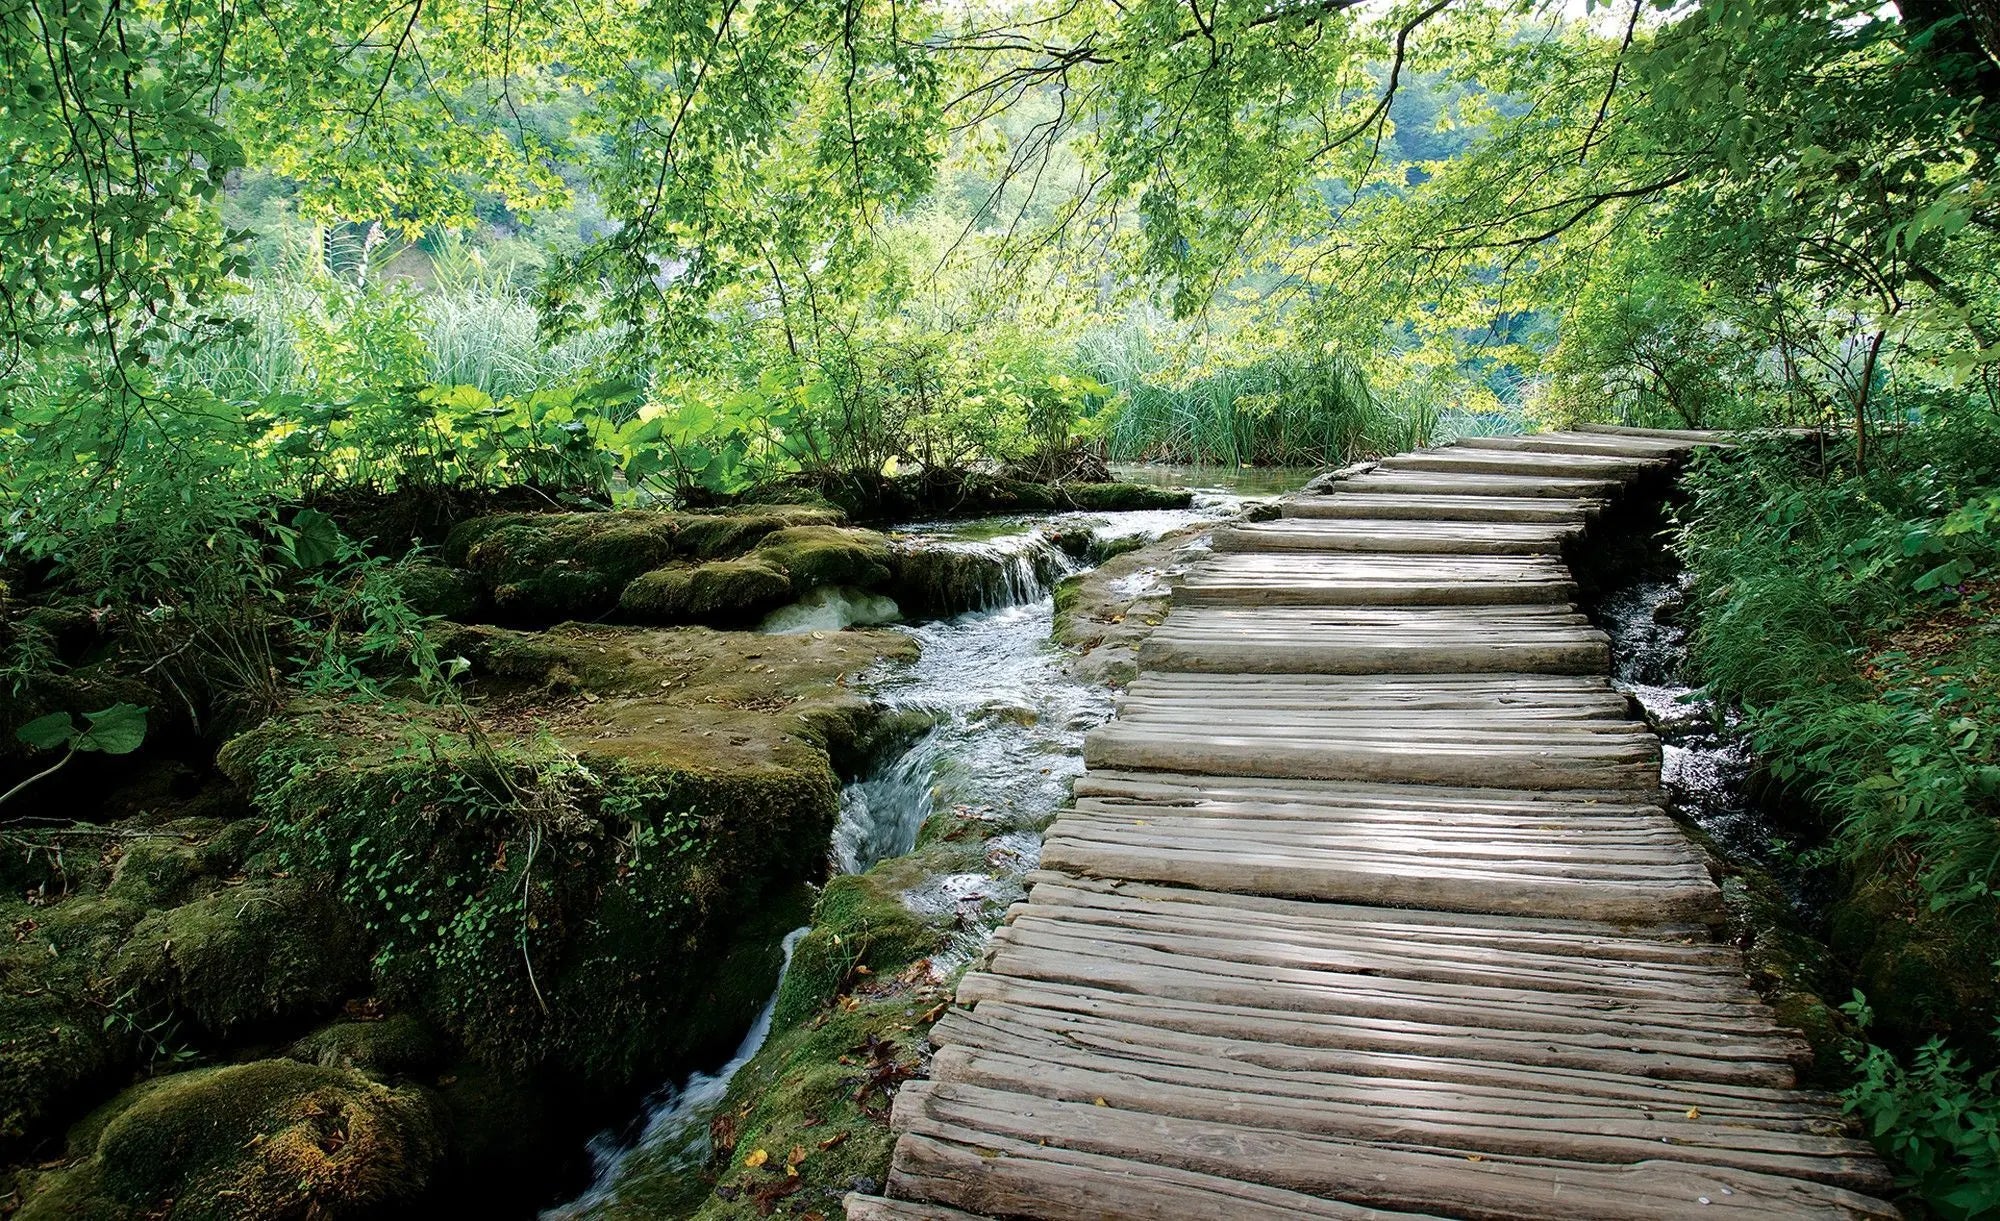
[
  {"x": 1285, "y": 409},
  {"x": 470, "y": 324}
]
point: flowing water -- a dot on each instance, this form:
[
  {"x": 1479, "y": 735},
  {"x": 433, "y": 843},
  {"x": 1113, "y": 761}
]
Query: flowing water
[
  {"x": 676, "y": 1131},
  {"x": 1008, "y": 723},
  {"x": 1706, "y": 767}
]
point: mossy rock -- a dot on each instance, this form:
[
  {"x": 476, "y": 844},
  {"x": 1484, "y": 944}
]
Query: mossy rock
[
  {"x": 434, "y": 589},
  {"x": 161, "y": 870},
  {"x": 1120, "y": 497},
  {"x": 721, "y": 591},
  {"x": 711, "y": 536},
  {"x": 859, "y": 922},
  {"x": 401, "y": 1043},
  {"x": 936, "y": 579},
  {"x": 568, "y": 565},
  {"x": 272, "y": 1140},
  {"x": 56, "y": 1043},
  {"x": 245, "y": 955},
  {"x": 815, "y": 556}
]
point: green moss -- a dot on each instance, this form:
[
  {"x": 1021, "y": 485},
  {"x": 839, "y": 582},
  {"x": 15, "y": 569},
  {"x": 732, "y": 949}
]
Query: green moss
[
  {"x": 711, "y": 536},
  {"x": 245, "y": 955},
  {"x": 569, "y": 565},
  {"x": 162, "y": 869},
  {"x": 434, "y": 589},
  {"x": 398, "y": 1044},
  {"x": 815, "y": 556},
  {"x": 576, "y": 565},
  {"x": 61, "y": 1034},
  {"x": 1116, "y": 497},
  {"x": 1925, "y": 972},
  {"x": 859, "y": 922},
  {"x": 819, "y": 1090},
  {"x": 589, "y": 944},
  {"x": 722, "y": 591},
  {"x": 270, "y": 1140}
]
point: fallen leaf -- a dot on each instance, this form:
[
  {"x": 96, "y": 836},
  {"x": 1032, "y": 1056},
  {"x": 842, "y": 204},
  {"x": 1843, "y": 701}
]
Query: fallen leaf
[
  {"x": 1694, "y": 1112},
  {"x": 835, "y": 1141},
  {"x": 757, "y": 1158},
  {"x": 1099, "y": 1102}
]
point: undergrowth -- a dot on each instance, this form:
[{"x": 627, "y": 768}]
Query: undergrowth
[{"x": 1850, "y": 613}]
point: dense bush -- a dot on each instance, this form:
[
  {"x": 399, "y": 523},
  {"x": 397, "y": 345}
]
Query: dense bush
[{"x": 1850, "y": 612}]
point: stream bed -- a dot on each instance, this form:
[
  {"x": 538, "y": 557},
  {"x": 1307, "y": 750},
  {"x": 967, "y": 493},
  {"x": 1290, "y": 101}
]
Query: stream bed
[{"x": 1008, "y": 719}]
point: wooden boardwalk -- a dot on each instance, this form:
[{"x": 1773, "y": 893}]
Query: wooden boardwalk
[{"x": 1368, "y": 907}]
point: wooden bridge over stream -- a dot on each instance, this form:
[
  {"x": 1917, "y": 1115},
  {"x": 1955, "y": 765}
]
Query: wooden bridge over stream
[{"x": 1368, "y": 906}]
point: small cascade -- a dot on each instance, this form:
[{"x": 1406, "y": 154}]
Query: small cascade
[
  {"x": 675, "y": 1135},
  {"x": 1705, "y": 766},
  {"x": 941, "y": 575}
]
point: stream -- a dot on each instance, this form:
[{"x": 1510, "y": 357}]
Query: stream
[
  {"x": 1005, "y": 743},
  {"x": 1706, "y": 768}
]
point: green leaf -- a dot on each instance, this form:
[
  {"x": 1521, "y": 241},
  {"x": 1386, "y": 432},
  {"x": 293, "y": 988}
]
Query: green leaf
[
  {"x": 117, "y": 730},
  {"x": 48, "y": 732},
  {"x": 316, "y": 539}
]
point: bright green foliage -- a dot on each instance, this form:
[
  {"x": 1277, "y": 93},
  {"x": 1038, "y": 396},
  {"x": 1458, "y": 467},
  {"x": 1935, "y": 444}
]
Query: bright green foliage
[
  {"x": 1850, "y": 615},
  {"x": 1938, "y": 1118},
  {"x": 117, "y": 730}
]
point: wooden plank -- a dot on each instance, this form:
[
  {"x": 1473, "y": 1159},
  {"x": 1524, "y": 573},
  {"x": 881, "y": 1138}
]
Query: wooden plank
[
  {"x": 1434, "y": 507},
  {"x": 1022, "y": 1178},
  {"x": 1431, "y": 1035},
  {"x": 1583, "y": 443},
  {"x": 1408, "y": 1114},
  {"x": 1420, "y": 483},
  {"x": 1012, "y": 1026},
  {"x": 1396, "y": 536},
  {"x": 1649, "y": 943},
  {"x": 1330, "y": 579},
  {"x": 1693, "y": 436},
  {"x": 1402, "y": 1179},
  {"x": 1527, "y": 760},
  {"x": 1505, "y": 462}
]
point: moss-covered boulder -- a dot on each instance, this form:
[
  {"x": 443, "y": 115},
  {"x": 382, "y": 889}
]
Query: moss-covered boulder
[
  {"x": 709, "y": 536},
  {"x": 245, "y": 955},
  {"x": 551, "y": 566},
  {"x": 399, "y": 1044},
  {"x": 567, "y": 565},
  {"x": 272, "y": 1140},
  {"x": 571, "y": 900},
  {"x": 61, "y": 1035},
  {"x": 816, "y": 556},
  {"x": 859, "y": 923},
  {"x": 718, "y": 592},
  {"x": 1119, "y": 497},
  {"x": 436, "y": 589}
]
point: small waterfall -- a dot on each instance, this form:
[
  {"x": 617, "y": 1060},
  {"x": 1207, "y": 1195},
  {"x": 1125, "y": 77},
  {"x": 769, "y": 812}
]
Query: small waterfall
[
  {"x": 1705, "y": 766},
  {"x": 940, "y": 576},
  {"x": 676, "y": 1132}
]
